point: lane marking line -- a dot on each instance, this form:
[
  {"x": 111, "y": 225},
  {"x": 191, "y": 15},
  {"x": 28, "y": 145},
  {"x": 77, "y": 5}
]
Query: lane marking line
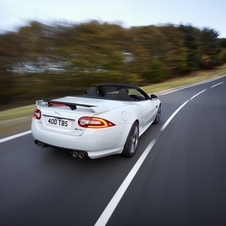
[
  {"x": 172, "y": 116},
  {"x": 197, "y": 94},
  {"x": 106, "y": 214},
  {"x": 217, "y": 84},
  {"x": 178, "y": 109},
  {"x": 15, "y": 136}
]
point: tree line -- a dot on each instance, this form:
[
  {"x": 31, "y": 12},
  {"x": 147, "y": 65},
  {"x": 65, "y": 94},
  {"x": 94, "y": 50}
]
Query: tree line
[{"x": 43, "y": 61}]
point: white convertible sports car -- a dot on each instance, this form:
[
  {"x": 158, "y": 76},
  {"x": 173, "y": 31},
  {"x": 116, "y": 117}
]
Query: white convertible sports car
[{"x": 107, "y": 120}]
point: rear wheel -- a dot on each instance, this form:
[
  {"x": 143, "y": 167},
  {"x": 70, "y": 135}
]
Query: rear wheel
[
  {"x": 157, "y": 117},
  {"x": 132, "y": 141}
]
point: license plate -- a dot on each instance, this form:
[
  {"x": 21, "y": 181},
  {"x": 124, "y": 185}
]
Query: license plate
[{"x": 57, "y": 122}]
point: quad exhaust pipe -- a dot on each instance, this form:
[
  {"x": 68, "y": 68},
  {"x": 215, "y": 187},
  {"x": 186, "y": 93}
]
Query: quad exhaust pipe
[
  {"x": 75, "y": 154},
  {"x": 40, "y": 144}
]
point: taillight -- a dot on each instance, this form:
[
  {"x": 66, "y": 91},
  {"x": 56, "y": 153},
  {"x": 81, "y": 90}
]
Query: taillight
[
  {"x": 37, "y": 114},
  {"x": 94, "y": 122}
]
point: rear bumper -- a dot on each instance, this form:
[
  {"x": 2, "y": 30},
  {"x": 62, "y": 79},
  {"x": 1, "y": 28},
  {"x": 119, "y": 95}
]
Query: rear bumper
[{"x": 96, "y": 142}]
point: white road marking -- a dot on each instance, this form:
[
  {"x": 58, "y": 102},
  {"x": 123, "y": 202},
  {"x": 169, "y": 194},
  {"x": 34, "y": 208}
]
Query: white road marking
[
  {"x": 178, "y": 109},
  {"x": 217, "y": 84},
  {"x": 172, "y": 116},
  {"x": 197, "y": 94},
  {"x": 104, "y": 217},
  {"x": 15, "y": 136}
]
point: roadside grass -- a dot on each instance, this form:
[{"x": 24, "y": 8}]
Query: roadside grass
[
  {"x": 155, "y": 88},
  {"x": 186, "y": 80},
  {"x": 17, "y": 112}
]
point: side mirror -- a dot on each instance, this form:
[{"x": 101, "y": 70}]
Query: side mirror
[{"x": 153, "y": 96}]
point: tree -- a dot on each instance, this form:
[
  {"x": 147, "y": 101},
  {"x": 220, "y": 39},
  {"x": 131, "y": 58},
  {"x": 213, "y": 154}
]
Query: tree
[
  {"x": 10, "y": 52},
  {"x": 193, "y": 48},
  {"x": 148, "y": 49},
  {"x": 210, "y": 48},
  {"x": 175, "y": 55}
]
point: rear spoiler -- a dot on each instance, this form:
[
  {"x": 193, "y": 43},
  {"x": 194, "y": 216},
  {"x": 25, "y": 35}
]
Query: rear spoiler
[{"x": 72, "y": 106}]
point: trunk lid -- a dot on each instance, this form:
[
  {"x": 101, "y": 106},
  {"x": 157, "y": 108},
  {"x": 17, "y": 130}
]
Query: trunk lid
[{"x": 62, "y": 114}]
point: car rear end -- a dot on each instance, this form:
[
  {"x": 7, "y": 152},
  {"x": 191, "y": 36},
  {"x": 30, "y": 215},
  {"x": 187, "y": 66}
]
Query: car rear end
[{"x": 81, "y": 125}]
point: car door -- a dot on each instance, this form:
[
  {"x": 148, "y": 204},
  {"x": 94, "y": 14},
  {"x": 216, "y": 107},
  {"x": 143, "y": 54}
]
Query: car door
[{"x": 149, "y": 106}]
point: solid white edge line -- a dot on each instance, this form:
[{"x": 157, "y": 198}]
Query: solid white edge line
[
  {"x": 197, "y": 94},
  {"x": 105, "y": 216},
  {"x": 15, "y": 136},
  {"x": 172, "y": 116},
  {"x": 217, "y": 84},
  {"x": 178, "y": 109}
]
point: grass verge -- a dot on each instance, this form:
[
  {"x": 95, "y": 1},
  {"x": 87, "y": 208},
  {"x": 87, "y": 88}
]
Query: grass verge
[
  {"x": 186, "y": 80},
  {"x": 17, "y": 112}
]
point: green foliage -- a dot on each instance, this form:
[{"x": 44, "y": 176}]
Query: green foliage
[
  {"x": 155, "y": 72},
  {"x": 193, "y": 47},
  {"x": 223, "y": 56},
  {"x": 210, "y": 48},
  {"x": 42, "y": 61}
]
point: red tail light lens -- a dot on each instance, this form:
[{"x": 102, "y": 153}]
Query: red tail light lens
[
  {"x": 94, "y": 122},
  {"x": 37, "y": 114}
]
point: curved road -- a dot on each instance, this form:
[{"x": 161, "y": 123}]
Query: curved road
[{"x": 177, "y": 177}]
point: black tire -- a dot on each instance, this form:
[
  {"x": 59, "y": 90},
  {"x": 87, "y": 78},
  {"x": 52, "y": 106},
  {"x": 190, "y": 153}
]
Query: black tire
[
  {"x": 158, "y": 116},
  {"x": 131, "y": 141}
]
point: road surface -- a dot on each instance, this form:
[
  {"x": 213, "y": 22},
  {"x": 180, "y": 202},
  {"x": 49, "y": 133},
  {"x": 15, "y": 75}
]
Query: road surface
[{"x": 177, "y": 176}]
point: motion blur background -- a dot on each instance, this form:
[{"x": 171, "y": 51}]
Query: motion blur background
[{"x": 55, "y": 48}]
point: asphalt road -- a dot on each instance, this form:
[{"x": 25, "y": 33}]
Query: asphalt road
[{"x": 178, "y": 173}]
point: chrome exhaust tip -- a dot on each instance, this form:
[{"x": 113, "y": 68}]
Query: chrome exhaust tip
[
  {"x": 81, "y": 155},
  {"x": 75, "y": 154}
]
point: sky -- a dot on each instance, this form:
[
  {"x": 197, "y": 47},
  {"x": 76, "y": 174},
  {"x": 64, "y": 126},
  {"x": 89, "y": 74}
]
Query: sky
[{"x": 198, "y": 13}]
